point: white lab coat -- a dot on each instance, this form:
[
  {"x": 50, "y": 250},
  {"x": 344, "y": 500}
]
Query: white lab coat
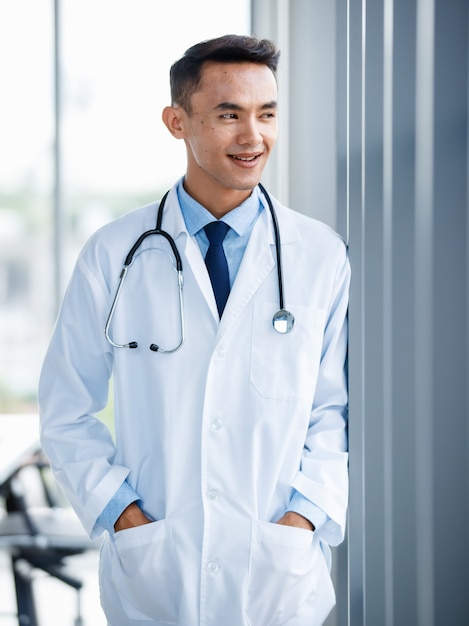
[{"x": 213, "y": 437}]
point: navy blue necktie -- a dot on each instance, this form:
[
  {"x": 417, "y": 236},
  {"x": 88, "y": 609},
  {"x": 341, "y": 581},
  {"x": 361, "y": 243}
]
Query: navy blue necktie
[{"x": 215, "y": 260}]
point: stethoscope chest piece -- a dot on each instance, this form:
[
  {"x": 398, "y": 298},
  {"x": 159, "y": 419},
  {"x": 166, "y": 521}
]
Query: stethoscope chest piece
[{"x": 283, "y": 321}]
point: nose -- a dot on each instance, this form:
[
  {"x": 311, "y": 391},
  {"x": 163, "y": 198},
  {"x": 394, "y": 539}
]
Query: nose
[{"x": 250, "y": 133}]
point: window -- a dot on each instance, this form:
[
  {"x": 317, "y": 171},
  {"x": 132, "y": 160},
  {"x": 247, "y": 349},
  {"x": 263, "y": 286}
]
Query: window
[{"x": 113, "y": 154}]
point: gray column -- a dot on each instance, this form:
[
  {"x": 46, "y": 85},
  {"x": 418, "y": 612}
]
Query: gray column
[
  {"x": 303, "y": 170},
  {"x": 407, "y": 189}
]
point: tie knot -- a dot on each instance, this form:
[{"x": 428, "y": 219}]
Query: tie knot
[{"x": 216, "y": 232}]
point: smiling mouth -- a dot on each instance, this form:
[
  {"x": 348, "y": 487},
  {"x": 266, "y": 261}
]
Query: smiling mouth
[{"x": 244, "y": 158}]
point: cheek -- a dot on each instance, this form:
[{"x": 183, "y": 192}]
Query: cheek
[
  {"x": 206, "y": 139},
  {"x": 272, "y": 135},
  {"x": 202, "y": 148},
  {"x": 210, "y": 141},
  {"x": 203, "y": 127}
]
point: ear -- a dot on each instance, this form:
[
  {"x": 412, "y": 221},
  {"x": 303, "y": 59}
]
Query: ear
[{"x": 173, "y": 118}]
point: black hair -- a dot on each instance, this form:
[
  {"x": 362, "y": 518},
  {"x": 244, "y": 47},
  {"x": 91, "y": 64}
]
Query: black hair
[{"x": 186, "y": 73}]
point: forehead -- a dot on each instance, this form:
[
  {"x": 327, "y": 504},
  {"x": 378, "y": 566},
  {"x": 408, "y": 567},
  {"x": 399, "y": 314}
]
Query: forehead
[{"x": 252, "y": 83}]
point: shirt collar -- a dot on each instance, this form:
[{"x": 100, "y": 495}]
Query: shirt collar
[{"x": 239, "y": 219}]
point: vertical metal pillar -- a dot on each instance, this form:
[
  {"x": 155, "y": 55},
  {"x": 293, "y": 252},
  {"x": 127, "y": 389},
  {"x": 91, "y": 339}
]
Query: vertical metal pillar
[
  {"x": 409, "y": 342},
  {"x": 57, "y": 195},
  {"x": 303, "y": 170}
]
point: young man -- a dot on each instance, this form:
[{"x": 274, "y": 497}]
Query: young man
[{"x": 227, "y": 479}]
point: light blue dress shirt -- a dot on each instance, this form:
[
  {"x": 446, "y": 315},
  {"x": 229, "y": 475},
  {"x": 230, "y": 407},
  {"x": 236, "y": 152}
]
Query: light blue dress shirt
[{"x": 241, "y": 221}]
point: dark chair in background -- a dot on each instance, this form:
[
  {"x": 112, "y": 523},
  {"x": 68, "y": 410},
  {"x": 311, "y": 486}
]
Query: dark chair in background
[{"x": 37, "y": 528}]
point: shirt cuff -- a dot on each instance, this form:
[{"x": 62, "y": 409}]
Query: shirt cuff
[
  {"x": 124, "y": 496},
  {"x": 301, "y": 505}
]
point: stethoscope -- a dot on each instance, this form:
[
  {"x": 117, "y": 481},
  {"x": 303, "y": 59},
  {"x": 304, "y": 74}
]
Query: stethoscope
[{"x": 283, "y": 321}]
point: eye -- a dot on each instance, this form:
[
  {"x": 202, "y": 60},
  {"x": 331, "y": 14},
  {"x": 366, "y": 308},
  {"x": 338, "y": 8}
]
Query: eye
[
  {"x": 268, "y": 115},
  {"x": 229, "y": 116}
]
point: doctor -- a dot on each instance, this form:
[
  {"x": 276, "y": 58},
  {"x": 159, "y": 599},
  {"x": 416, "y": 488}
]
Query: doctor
[{"x": 226, "y": 480}]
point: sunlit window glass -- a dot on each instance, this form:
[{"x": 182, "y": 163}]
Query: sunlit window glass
[
  {"x": 113, "y": 153},
  {"x": 26, "y": 137}
]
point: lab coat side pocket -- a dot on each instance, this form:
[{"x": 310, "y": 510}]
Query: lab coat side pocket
[
  {"x": 286, "y": 570},
  {"x": 145, "y": 572}
]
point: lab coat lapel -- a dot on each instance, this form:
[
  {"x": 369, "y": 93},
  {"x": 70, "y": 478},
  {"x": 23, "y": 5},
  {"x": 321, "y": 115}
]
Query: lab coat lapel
[
  {"x": 192, "y": 260},
  {"x": 197, "y": 265},
  {"x": 258, "y": 262}
]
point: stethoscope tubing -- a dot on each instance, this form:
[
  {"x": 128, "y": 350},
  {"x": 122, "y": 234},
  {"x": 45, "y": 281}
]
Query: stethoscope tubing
[
  {"x": 282, "y": 319},
  {"x": 277, "y": 245}
]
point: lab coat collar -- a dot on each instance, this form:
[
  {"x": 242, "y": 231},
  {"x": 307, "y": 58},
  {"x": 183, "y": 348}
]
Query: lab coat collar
[{"x": 173, "y": 220}]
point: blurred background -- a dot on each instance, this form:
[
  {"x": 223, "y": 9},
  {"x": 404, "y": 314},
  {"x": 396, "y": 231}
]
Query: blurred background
[
  {"x": 81, "y": 141},
  {"x": 373, "y": 140}
]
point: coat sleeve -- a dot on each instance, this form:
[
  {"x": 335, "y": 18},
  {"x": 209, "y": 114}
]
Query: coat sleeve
[
  {"x": 323, "y": 476},
  {"x": 73, "y": 388}
]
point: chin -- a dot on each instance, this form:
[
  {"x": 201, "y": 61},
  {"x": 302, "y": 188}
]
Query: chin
[{"x": 247, "y": 184}]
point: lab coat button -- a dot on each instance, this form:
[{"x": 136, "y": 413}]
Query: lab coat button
[
  {"x": 213, "y": 494},
  {"x": 217, "y": 424},
  {"x": 212, "y": 566},
  {"x": 221, "y": 352}
]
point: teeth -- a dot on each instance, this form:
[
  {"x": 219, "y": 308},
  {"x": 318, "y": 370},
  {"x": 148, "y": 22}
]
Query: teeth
[{"x": 244, "y": 158}]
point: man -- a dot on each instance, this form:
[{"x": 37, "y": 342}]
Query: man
[{"x": 227, "y": 479}]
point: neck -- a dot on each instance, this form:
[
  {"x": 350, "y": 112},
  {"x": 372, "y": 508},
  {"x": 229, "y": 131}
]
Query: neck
[{"x": 218, "y": 201}]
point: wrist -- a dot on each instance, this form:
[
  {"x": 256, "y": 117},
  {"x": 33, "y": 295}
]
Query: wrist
[
  {"x": 301, "y": 520},
  {"x": 296, "y": 520},
  {"x": 130, "y": 517}
]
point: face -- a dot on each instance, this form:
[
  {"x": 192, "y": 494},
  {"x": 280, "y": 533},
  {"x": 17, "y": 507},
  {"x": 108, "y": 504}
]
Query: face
[{"x": 229, "y": 134}]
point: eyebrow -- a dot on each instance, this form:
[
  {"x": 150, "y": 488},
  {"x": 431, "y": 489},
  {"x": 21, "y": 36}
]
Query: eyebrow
[{"x": 232, "y": 106}]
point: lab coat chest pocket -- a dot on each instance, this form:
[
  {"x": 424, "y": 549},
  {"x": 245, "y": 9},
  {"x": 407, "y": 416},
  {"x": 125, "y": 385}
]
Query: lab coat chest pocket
[
  {"x": 285, "y": 366},
  {"x": 286, "y": 576},
  {"x": 145, "y": 572}
]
